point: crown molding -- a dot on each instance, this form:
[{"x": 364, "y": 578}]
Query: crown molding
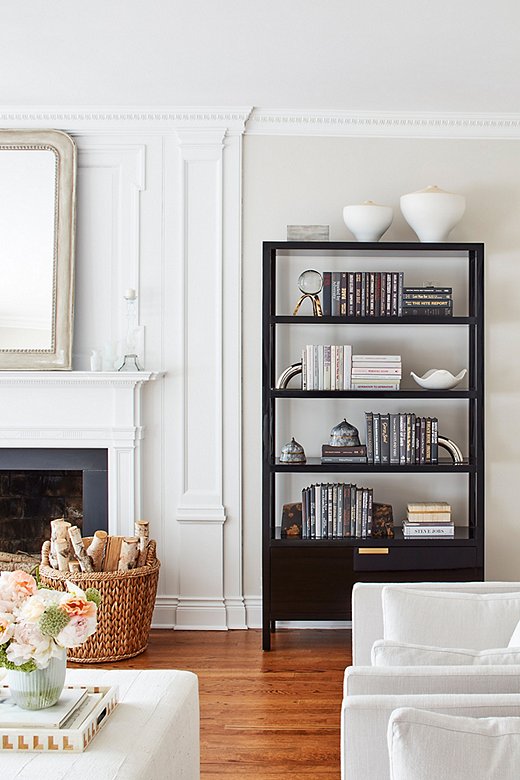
[
  {"x": 236, "y": 120},
  {"x": 396, "y": 124},
  {"x": 160, "y": 118}
]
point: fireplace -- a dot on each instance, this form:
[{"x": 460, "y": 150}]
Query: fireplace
[
  {"x": 68, "y": 420},
  {"x": 39, "y": 485}
]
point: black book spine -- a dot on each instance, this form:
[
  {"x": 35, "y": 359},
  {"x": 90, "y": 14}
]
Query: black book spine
[
  {"x": 385, "y": 438},
  {"x": 336, "y": 294},
  {"x": 369, "y": 418},
  {"x": 351, "y": 295},
  {"x": 343, "y": 294},
  {"x": 394, "y": 438},
  {"x": 377, "y": 438},
  {"x": 382, "y": 295},
  {"x": 359, "y": 282},
  {"x": 427, "y": 311},
  {"x": 326, "y": 293},
  {"x": 435, "y": 440},
  {"x": 402, "y": 438},
  {"x": 346, "y": 510}
]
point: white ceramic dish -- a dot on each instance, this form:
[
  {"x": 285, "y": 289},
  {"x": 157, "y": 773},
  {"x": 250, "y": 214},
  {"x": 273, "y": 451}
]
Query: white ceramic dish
[{"x": 439, "y": 379}]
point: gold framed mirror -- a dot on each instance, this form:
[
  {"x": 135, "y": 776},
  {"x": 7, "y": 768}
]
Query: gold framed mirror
[{"x": 37, "y": 226}]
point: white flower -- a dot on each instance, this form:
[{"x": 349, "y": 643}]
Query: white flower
[
  {"x": 29, "y": 643},
  {"x": 76, "y": 631},
  {"x": 7, "y": 625},
  {"x": 33, "y": 608}
]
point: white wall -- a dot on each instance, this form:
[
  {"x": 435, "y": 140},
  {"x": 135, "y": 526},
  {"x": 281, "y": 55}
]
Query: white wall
[
  {"x": 379, "y": 55},
  {"x": 291, "y": 180}
]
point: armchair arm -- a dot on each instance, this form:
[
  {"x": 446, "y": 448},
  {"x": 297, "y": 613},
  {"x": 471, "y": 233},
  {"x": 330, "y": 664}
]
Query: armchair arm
[
  {"x": 364, "y": 723},
  {"x": 411, "y": 680}
]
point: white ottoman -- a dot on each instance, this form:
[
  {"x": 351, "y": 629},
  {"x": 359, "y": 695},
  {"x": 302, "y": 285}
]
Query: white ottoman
[{"x": 152, "y": 734}]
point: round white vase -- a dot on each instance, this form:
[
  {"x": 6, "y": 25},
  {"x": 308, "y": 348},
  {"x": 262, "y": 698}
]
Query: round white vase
[
  {"x": 41, "y": 688},
  {"x": 432, "y": 213},
  {"x": 368, "y": 221}
]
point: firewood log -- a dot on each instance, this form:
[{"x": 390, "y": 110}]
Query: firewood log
[
  {"x": 62, "y": 549},
  {"x": 96, "y": 549},
  {"x": 59, "y": 530},
  {"x": 129, "y": 553},
  {"x": 142, "y": 533},
  {"x": 85, "y": 561}
]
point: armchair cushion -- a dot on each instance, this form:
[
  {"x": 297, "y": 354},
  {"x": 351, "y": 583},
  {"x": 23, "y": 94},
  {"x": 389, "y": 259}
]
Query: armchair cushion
[
  {"x": 388, "y": 653},
  {"x": 471, "y": 621},
  {"x": 426, "y": 745}
]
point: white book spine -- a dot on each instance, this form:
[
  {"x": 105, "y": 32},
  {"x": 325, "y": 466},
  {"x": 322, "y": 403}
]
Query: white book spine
[
  {"x": 326, "y": 367},
  {"x": 347, "y": 366}
]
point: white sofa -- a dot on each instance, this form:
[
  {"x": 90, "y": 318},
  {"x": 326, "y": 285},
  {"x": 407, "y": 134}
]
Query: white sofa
[{"x": 372, "y": 693}]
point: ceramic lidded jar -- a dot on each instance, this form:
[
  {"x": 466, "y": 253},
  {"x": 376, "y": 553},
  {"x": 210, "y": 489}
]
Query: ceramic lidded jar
[
  {"x": 368, "y": 221},
  {"x": 344, "y": 435},
  {"x": 432, "y": 213},
  {"x": 292, "y": 452}
]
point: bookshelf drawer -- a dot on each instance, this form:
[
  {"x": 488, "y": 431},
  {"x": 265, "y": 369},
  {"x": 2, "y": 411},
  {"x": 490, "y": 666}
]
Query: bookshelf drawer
[{"x": 415, "y": 558}]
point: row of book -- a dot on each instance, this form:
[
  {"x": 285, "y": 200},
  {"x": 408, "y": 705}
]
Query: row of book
[
  {"x": 334, "y": 367},
  {"x": 336, "y": 511},
  {"x": 327, "y": 367},
  {"x": 401, "y": 438},
  {"x": 425, "y": 519},
  {"x": 362, "y": 293},
  {"x": 381, "y": 294}
]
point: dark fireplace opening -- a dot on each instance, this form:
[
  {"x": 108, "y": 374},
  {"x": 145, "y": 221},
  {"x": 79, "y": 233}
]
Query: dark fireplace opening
[
  {"x": 30, "y": 499},
  {"x": 40, "y": 485}
]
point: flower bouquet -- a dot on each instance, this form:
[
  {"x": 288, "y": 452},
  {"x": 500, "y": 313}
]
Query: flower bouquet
[{"x": 37, "y": 624}]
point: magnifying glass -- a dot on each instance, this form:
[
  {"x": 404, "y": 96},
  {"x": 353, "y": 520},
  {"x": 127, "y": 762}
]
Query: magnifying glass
[{"x": 310, "y": 283}]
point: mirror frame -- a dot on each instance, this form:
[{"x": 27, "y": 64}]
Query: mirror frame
[{"x": 59, "y": 356}]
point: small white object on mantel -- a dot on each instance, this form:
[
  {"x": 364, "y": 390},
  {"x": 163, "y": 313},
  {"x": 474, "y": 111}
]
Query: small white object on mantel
[{"x": 67, "y": 409}]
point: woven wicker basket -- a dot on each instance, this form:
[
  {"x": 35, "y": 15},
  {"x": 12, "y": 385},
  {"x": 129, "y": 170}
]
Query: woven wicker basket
[{"x": 125, "y": 612}]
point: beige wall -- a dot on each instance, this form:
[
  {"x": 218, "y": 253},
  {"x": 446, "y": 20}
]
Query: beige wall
[{"x": 290, "y": 180}]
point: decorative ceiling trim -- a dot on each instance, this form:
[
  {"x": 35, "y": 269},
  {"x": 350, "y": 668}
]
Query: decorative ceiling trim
[
  {"x": 236, "y": 120},
  {"x": 264, "y": 121},
  {"x": 157, "y": 117}
]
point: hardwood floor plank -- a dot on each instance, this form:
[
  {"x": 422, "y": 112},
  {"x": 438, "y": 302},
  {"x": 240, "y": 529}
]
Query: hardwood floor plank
[{"x": 265, "y": 716}]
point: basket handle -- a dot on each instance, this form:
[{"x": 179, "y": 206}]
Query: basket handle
[{"x": 151, "y": 552}]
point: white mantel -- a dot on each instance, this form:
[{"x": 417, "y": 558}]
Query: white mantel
[{"x": 82, "y": 409}]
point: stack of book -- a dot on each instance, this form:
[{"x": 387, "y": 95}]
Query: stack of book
[
  {"x": 336, "y": 511},
  {"x": 326, "y": 367},
  {"x": 401, "y": 438},
  {"x": 362, "y": 293},
  {"x": 428, "y": 519},
  {"x": 376, "y": 372},
  {"x": 356, "y": 453},
  {"x": 427, "y": 301}
]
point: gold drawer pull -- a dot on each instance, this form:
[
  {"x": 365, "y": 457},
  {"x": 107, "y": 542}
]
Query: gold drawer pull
[{"x": 373, "y": 550}]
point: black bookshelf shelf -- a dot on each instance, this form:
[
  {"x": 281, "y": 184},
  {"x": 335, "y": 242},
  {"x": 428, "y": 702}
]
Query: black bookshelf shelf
[
  {"x": 302, "y": 320},
  {"x": 419, "y": 394},
  {"x": 312, "y": 579},
  {"x": 314, "y": 466}
]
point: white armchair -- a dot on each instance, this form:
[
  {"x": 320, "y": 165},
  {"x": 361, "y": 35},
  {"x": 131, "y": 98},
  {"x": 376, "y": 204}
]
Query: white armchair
[{"x": 372, "y": 693}]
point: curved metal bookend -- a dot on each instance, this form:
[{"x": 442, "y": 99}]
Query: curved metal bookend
[
  {"x": 316, "y": 305},
  {"x": 287, "y": 374},
  {"x": 452, "y": 448}
]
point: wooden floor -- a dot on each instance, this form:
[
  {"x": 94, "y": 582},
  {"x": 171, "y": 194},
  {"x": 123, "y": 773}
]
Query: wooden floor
[{"x": 263, "y": 715}]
